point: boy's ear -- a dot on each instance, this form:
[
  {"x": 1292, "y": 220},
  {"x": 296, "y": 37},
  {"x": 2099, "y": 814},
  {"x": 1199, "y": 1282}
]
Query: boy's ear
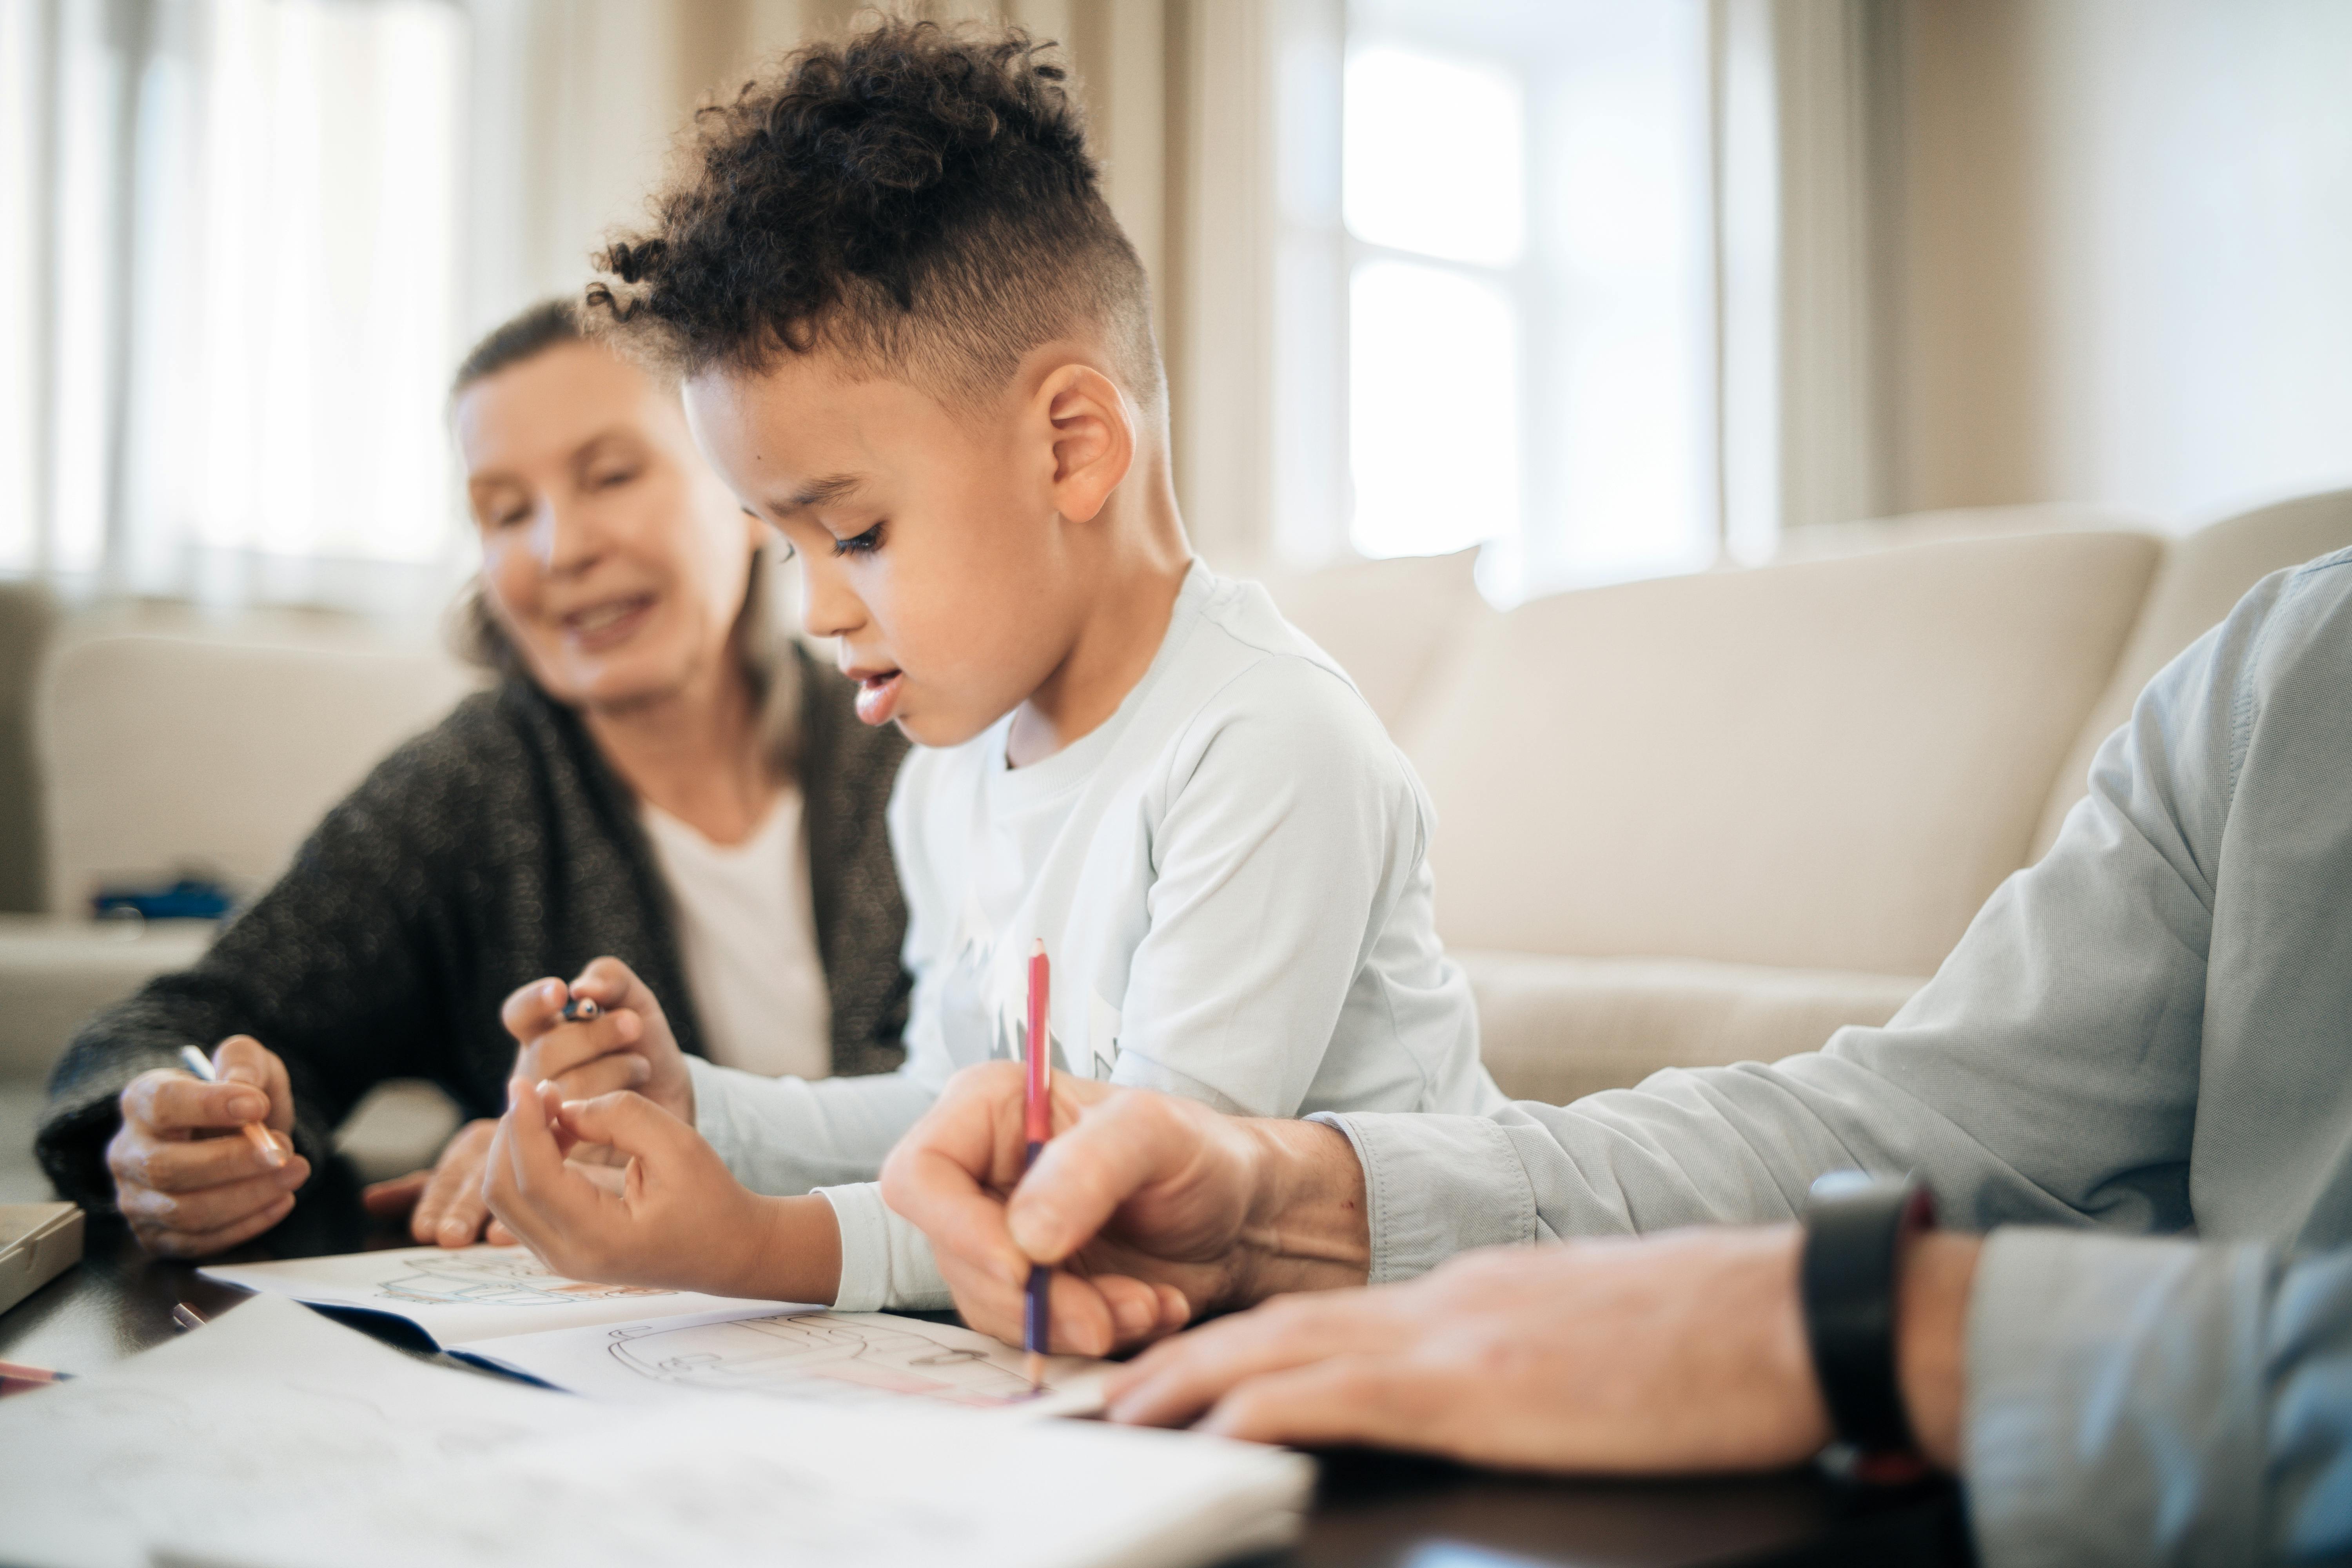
[{"x": 1092, "y": 435}]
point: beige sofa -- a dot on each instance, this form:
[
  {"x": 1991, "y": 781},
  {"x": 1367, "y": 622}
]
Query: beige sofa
[
  {"x": 164, "y": 753},
  {"x": 1712, "y": 818},
  {"x": 1691, "y": 820}
]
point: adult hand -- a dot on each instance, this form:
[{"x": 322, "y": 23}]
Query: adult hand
[
  {"x": 1675, "y": 1353},
  {"x": 186, "y": 1178},
  {"x": 1153, "y": 1209},
  {"x": 444, "y": 1204},
  {"x": 628, "y": 1045},
  {"x": 676, "y": 1218}
]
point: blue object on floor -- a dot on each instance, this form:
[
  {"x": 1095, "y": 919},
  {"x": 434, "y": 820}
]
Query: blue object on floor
[{"x": 189, "y": 899}]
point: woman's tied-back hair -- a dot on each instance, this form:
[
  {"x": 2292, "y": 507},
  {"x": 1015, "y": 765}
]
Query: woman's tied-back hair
[
  {"x": 544, "y": 326},
  {"x": 917, "y": 199}
]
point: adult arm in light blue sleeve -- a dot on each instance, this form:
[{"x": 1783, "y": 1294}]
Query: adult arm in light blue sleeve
[
  {"x": 2047, "y": 1075},
  {"x": 2135, "y": 1401}
]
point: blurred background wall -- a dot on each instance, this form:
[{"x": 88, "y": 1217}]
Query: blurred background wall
[
  {"x": 1605, "y": 289},
  {"x": 2122, "y": 236}
]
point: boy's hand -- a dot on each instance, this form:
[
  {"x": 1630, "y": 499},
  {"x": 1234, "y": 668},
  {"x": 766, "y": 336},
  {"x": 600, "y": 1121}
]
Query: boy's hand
[
  {"x": 628, "y": 1045},
  {"x": 676, "y": 1218},
  {"x": 1153, "y": 1209},
  {"x": 186, "y": 1179},
  {"x": 444, "y": 1205}
]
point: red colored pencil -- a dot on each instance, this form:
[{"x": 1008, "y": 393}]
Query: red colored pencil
[{"x": 1039, "y": 1111}]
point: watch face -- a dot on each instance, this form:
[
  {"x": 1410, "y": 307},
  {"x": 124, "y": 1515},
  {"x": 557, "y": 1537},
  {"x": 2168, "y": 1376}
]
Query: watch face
[{"x": 1840, "y": 1184}]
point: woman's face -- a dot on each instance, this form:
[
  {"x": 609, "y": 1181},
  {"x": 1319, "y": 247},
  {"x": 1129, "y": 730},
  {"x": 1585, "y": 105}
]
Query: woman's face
[{"x": 613, "y": 557}]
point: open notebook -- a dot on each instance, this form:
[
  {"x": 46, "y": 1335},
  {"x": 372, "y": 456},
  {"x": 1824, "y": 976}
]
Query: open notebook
[
  {"x": 274, "y": 1437},
  {"x": 498, "y": 1307}
]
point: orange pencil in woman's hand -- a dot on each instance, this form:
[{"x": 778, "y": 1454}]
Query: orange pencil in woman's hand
[{"x": 1038, "y": 1110}]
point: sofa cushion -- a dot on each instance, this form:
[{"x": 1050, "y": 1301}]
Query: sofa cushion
[
  {"x": 1820, "y": 540},
  {"x": 159, "y": 752},
  {"x": 1554, "y": 1029},
  {"x": 2203, "y": 577},
  {"x": 1390, "y": 624},
  {"x": 1826, "y": 765}
]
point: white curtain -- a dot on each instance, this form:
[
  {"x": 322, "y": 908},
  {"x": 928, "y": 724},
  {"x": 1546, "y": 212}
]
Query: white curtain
[
  {"x": 242, "y": 243},
  {"x": 238, "y": 240}
]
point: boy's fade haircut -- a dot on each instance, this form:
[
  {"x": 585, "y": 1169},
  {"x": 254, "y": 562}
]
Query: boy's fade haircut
[{"x": 916, "y": 199}]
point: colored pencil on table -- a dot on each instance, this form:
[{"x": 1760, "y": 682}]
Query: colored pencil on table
[{"x": 1038, "y": 1110}]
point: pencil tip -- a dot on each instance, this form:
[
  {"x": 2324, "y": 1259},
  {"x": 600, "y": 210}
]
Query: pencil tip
[
  {"x": 1035, "y": 1366},
  {"x": 1038, "y": 950}
]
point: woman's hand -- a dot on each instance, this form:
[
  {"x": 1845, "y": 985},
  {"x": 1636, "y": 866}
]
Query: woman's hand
[
  {"x": 628, "y": 1045},
  {"x": 444, "y": 1204},
  {"x": 676, "y": 1217},
  {"x": 186, "y": 1178}
]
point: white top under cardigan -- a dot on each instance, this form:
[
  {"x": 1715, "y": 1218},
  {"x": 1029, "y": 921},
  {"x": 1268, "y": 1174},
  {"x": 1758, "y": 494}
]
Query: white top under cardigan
[
  {"x": 1231, "y": 878},
  {"x": 746, "y": 940}
]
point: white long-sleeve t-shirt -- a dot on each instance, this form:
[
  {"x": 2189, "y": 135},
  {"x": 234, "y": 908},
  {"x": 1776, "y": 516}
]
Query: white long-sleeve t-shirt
[{"x": 1230, "y": 878}]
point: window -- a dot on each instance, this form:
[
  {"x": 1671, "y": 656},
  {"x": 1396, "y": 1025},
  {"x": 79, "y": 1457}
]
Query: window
[
  {"x": 242, "y": 219},
  {"x": 1525, "y": 194}
]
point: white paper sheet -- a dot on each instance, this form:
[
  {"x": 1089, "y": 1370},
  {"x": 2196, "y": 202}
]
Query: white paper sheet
[
  {"x": 266, "y": 1408},
  {"x": 765, "y": 1482},
  {"x": 470, "y": 1293},
  {"x": 833, "y": 1358}
]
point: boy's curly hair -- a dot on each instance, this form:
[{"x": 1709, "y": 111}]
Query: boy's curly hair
[{"x": 917, "y": 199}]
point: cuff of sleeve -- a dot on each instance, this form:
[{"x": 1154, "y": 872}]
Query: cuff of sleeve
[
  {"x": 886, "y": 1262},
  {"x": 714, "y": 1111},
  {"x": 1435, "y": 1186},
  {"x": 2115, "y": 1399}
]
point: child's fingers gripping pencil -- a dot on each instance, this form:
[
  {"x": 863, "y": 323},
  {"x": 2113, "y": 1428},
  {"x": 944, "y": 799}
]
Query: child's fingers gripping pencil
[
  {"x": 1038, "y": 1113},
  {"x": 257, "y": 1135}
]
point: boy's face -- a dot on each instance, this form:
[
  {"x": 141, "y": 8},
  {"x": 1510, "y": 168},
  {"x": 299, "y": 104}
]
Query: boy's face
[{"x": 928, "y": 539}]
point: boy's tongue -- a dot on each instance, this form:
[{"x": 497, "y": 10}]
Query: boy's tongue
[{"x": 877, "y": 697}]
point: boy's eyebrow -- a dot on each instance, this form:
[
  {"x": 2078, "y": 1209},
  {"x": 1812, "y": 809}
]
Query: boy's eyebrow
[{"x": 820, "y": 492}]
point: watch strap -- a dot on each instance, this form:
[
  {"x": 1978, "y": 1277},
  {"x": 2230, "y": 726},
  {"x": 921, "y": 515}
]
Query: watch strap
[{"x": 1854, "y": 1232}]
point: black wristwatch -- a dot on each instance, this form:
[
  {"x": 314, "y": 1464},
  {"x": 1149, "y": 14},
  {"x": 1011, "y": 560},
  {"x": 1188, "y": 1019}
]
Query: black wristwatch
[{"x": 1855, "y": 1229}]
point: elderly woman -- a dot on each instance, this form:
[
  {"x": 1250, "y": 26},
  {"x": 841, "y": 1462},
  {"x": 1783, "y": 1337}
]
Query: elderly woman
[{"x": 658, "y": 774}]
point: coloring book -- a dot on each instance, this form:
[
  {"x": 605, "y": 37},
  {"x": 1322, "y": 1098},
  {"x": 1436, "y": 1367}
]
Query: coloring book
[{"x": 498, "y": 1307}]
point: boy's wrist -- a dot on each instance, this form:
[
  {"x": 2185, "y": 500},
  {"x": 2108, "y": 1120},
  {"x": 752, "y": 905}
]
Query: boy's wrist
[
  {"x": 792, "y": 1253},
  {"x": 1306, "y": 1229}
]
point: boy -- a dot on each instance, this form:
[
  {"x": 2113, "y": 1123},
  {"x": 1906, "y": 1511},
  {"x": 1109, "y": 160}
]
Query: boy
[{"x": 914, "y": 340}]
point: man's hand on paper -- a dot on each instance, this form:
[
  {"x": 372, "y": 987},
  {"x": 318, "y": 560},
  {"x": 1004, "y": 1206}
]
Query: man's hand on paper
[
  {"x": 1152, "y": 1209},
  {"x": 628, "y": 1045},
  {"x": 185, "y": 1178},
  {"x": 674, "y": 1217},
  {"x": 444, "y": 1205},
  {"x": 1675, "y": 1353}
]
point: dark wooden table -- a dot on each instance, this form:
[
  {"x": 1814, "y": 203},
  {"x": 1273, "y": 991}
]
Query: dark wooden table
[{"x": 1372, "y": 1510}]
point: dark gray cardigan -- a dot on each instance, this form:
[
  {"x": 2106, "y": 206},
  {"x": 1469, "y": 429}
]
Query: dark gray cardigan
[{"x": 495, "y": 848}]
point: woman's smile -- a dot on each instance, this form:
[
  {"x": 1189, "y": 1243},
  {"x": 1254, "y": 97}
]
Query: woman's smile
[{"x": 608, "y": 622}]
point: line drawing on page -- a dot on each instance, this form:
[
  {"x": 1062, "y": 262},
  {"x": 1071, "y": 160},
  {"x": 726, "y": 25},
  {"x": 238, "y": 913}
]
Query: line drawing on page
[
  {"x": 462, "y": 1281},
  {"x": 820, "y": 1356}
]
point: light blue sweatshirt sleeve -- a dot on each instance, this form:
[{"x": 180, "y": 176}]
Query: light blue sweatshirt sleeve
[
  {"x": 2134, "y": 1401},
  {"x": 792, "y": 1135},
  {"x": 2048, "y": 1074}
]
